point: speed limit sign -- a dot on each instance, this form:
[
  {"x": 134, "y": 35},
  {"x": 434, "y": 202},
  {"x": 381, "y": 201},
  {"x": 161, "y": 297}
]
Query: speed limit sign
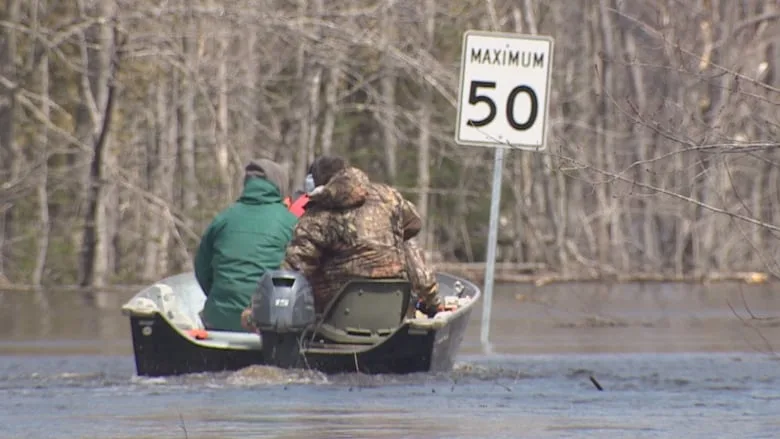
[{"x": 504, "y": 90}]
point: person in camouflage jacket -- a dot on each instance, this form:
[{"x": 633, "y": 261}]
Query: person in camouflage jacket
[
  {"x": 421, "y": 276},
  {"x": 353, "y": 228}
]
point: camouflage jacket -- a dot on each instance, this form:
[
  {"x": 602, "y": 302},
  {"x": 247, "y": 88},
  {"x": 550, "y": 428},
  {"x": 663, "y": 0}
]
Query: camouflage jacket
[
  {"x": 352, "y": 228},
  {"x": 421, "y": 276}
]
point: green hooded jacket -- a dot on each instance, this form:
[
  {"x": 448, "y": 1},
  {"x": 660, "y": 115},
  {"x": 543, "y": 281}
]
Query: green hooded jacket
[{"x": 238, "y": 247}]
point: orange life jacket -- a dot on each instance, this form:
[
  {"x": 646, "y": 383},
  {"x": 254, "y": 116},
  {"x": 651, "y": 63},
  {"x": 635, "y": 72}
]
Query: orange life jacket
[{"x": 298, "y": 206}]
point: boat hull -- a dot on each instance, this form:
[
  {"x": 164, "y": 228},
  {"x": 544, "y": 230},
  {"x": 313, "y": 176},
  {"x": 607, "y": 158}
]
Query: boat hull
[
  {"x": 425, "y": 345},
  {"x": 161, "y": 350}
]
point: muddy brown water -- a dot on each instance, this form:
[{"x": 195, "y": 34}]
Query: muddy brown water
[{"x": 674, "y": 360}]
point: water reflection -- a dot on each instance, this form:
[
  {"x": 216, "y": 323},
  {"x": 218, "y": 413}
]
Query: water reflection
[
  {"x": 40, "y": 322},
  {"x": 597, "y": 318}
]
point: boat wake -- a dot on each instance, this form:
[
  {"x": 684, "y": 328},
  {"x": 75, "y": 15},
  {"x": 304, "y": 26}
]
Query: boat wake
[
  {"x": 115, "y": 375},
  {"x": 269, "y": 375}
]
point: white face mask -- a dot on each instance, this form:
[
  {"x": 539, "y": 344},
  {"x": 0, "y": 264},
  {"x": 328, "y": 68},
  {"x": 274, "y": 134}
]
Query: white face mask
[{"x": 308, "y": 184}]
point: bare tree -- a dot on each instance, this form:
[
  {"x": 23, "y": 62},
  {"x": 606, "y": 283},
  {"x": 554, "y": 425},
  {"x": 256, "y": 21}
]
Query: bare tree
[
  {"x": 187, "y": 116},
  {"x": 43, "y": 173},
  {"x": 99, "y": 60},
  {"x": 424, "y": 134},
  {"x": 223, "y": 116},
  {"x": 161, "y": 159},
  {"x": 388, "y": 86},
  {"x": 10, "y": 154}
]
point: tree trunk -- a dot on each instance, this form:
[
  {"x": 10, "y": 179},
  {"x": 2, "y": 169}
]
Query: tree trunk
[
  {"x": 251, "y": 85},
  {"x": 223, "y": 119},
  {"x": 609, "y": 231},
  {"x": 153, "y": 217},
  {"x": 426, "y": 109},
  {"x": 387, "y": 85},
  {"x": 189, "y": 197},
  {"x": 648, "y": 226},
  {"x": 712, "y": 100},
  {"x": 111, "y": 207},
  {"x": 331, "y": 104},
  {"x": 42, "y": 192},
  {"x": 159, "y": 159},
  {"x": 10, "y": 153},
  {"x": 169, "y": 139},
  {"x": 521, "y": 170},
  {"x": 98, "y": 53},
  {"x": 315, "y": 84},
  {"x": 310, "y": 74},
  {"x": 546, "y": 165},
  {"x": 313, "y": 112}
]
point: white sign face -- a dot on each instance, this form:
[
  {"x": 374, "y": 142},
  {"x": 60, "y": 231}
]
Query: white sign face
[{"x": 504, "y": 90}]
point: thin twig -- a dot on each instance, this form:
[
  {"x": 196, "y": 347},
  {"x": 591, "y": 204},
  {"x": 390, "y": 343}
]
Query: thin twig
[
  {"x": 770, "y": 349},
  {"x": 649, "y": 30},
  {"x": 183, "y": 426},
  {"x": 747, "y": 308},
  {"x": 676, "y": 195}
]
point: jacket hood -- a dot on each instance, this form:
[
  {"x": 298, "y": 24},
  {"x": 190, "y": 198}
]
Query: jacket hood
[
  {"x": 347, "y": 189},
  {"x": 260, "y": 191}
]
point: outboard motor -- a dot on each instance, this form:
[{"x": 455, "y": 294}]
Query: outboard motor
[{"x": 282, "y": 309}]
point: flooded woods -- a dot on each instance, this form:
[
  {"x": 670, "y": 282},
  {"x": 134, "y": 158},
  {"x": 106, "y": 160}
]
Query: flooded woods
[{"x": 124, "y": 126}]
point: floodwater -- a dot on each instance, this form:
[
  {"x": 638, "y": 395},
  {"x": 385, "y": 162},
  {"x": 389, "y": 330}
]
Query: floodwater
[{"x": 673, "y": 361}]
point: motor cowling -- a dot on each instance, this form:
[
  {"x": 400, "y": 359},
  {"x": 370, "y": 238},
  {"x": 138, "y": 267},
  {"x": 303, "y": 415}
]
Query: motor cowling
[{"x": 283, "y": 303}]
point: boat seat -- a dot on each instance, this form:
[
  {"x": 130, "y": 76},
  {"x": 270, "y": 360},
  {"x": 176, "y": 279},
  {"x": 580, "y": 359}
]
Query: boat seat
[{"x": 365, "y": 311}]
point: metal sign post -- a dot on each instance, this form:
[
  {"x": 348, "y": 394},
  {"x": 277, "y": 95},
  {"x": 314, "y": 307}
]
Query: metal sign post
[
  {"x": 502, "y": 103},
  {"x": 490, "y": 257}
]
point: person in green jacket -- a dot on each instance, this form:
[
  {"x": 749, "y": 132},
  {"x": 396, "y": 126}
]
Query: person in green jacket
[{"x": 243, "y": 242}]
